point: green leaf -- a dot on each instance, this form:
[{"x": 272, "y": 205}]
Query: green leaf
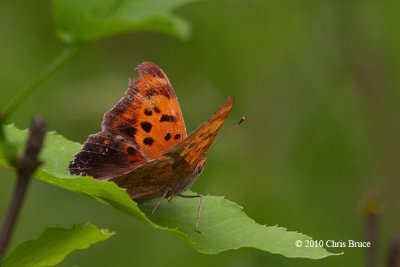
[
  {"x": 54, "y": 244},
  {"x": 85, "y": 21},
  {"x": 223, "y": 224}
]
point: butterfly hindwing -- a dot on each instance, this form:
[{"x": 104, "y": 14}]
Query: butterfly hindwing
[{"x": 107, "y": 154}]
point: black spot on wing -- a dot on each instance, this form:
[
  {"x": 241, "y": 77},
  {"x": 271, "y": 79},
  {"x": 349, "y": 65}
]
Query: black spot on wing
[
  {"x": 146, "y": 126},
  {"x": 167, "y": 118},
  {"x": 177, "y": 136},
  {"x": 148, "y": 112},
  {"x": 148, "y": 141},
  {"x": 156, "y": 109},
  {"x": 167, "y": 136}
]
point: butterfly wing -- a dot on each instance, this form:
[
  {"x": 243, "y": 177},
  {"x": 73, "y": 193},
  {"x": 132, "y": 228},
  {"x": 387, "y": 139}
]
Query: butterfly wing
[
  {"x": 192, "y": 149},
  {"x": 140, "y": 127},
  {"x": 149, "y": 113},
  {"x": 107, "y": 154},
  {"x": 179, "y": 165}
]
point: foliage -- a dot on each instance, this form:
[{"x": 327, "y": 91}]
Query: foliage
[
  {"x": 223, "y": 224},
  {"x": 54, "y": 244},
  {"x": 87, "y": 21}
]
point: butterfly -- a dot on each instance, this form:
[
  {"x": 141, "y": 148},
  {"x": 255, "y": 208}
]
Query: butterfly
[{"x": 143, "y": 145}]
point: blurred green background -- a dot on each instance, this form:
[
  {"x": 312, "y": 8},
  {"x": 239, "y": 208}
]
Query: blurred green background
[{"x": 318, "y": 82}]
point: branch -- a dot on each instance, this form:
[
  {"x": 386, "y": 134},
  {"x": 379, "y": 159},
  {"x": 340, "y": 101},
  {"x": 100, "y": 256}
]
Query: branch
[
  {"x": 370, "y": 207},
  {"x": 26, "y": 167}
]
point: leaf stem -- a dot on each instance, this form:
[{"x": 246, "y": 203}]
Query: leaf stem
[
  {"x": 26, "y": 168},
  {"x": 26, "y": 91}
]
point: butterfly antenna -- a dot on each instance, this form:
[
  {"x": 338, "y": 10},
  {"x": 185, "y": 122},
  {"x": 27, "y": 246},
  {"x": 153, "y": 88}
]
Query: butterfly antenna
[{"x": 229, "y": 131}]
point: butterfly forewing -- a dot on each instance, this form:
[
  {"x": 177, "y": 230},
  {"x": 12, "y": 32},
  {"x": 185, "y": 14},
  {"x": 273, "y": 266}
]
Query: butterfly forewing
[
  {"x": 147, "y": 120},
  {"x": 149, "y": 113}
]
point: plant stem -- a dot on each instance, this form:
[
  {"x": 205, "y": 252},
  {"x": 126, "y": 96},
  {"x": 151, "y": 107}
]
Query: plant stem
[
  {"x": 26, "y": 168},
  {"x": 26, "y": 91}
]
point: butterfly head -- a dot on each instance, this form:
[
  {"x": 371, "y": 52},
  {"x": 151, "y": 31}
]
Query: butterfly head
[{"x": 200, "y": 167}]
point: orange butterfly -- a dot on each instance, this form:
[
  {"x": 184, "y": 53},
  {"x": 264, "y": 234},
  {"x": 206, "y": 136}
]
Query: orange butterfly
[{"x": 143, "y": 145}]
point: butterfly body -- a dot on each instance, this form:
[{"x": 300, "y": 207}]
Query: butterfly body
[
  {"x": 143, "y": 145},
  {"x": 162, "y": 179}
]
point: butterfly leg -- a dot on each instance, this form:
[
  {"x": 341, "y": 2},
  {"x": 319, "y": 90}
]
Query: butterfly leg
[
  {"x": 159, "y": 202},
  {"x": 196, "y": 227}
]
